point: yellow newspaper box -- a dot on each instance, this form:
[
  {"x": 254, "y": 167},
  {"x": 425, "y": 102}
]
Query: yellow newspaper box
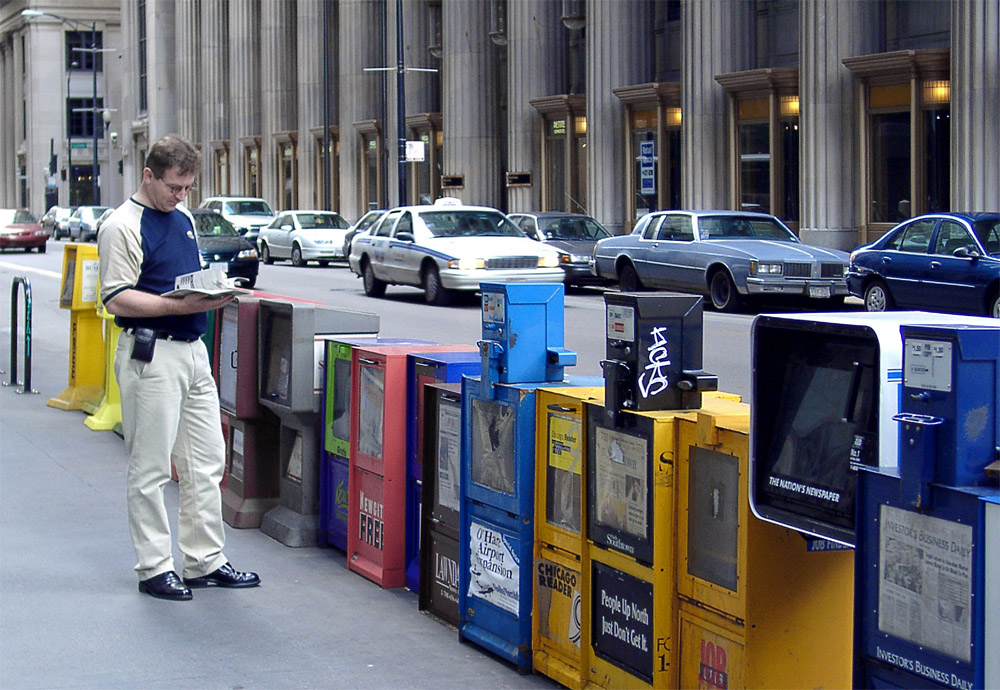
[
  {"x": 108, "y": 414},
  {"x": 759, "y": 606},
  {"x": 79, "y": 294},
  {"x": 560, "y": 437}
]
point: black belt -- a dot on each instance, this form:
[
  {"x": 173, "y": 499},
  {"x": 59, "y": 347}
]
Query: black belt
[{"x": 163, "y": 335}]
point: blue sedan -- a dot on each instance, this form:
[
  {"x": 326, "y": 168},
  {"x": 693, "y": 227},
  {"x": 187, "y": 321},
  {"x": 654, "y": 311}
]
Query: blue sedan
[
  {"x": 940, "y": 262},
  {"x": 728, "y": 255}
]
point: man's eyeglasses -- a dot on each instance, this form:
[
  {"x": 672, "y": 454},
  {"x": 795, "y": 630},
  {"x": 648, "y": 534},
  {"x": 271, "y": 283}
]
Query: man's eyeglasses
[{"x": 176, "y": 189}]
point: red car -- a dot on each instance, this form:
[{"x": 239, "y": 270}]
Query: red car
[{"x": 21, "y": 230}]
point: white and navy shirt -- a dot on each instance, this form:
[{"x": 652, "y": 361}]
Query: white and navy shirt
[{"x": 140, "y": 248}]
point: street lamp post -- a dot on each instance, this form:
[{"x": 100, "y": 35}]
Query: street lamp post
[{"x": 94, "y": 51}]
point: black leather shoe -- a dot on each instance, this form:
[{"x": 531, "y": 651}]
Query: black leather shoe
[
  {"x": 165, "y": 586},
  {"x": 226, "y": 576}
]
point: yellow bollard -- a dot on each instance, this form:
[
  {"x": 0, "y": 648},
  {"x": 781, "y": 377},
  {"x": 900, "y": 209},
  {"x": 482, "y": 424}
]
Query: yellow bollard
[
  {"x": 108, "y": 413},
  {"x": 79, "y": 294}
]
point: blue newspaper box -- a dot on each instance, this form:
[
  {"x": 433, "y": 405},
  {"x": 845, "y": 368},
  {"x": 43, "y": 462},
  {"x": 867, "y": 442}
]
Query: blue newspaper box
[
  {"x": 423, "y": 368},
  {"x": 522, "y": 350},
  {"x": 922, "y": 545}
]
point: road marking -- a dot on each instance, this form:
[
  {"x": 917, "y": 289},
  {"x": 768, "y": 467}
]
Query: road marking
[{"x": 39, "y": 271}]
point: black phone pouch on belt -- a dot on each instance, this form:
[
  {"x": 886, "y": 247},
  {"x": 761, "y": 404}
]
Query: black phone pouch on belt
[{"x": 144, "y": 344}]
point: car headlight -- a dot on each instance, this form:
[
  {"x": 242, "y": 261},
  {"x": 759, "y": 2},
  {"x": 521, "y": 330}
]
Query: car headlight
[
  {"x": 765, "y": 269},
  {"x": 580, "y": 258},
  {"x": 247, "y": 254},
  {"x": 565, "y": 258},
  {"x": 467, "y": 264},
  {"x": 550, "y": 260}
]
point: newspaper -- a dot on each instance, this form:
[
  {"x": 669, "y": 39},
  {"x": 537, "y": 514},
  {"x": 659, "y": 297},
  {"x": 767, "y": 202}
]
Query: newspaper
[{"x": 211, "y": 282}]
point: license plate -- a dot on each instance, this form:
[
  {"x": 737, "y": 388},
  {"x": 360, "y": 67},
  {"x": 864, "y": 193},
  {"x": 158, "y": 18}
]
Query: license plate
[
  {"x": 819, "y": 291},
  {"x": 224, "y": 265}
]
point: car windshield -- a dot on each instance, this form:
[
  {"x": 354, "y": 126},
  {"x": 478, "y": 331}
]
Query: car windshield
[
  {"x": 96, "y": 211},
  {"x": 214, "y": 225},
  {"x": 988, "y": 232},
  {"x": 10, "y": 215},
  {"x": 321, "y": 220},
  {"x": 743, "y": 228},
  {"x": 470, "y": 224},
  {"x": 248, "y": 208},
  {"x": 571, "y": 228}
]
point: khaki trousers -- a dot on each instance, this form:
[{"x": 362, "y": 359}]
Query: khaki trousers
[{"x": 170, "y": 409}]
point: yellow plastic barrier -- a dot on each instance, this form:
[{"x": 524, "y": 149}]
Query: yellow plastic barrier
[
  {"x": 79, "y": 294},
  {"x": 107, "y": 414}
]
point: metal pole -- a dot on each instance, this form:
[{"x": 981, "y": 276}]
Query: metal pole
[
  {"x": 96, "y": 119},
  {"x": 326, "y": 107},
  {"x": 400, "y": 104}
]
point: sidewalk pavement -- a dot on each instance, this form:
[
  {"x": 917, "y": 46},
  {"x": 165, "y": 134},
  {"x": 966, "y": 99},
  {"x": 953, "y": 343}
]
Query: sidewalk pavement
[{"x": 71, "y": 615}]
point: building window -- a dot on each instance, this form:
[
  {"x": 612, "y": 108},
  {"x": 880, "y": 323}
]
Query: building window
[
  {"x": 765, "y": 116},
  {"x": 80, "y": 117},
  {"x": 372, "y": 186},
  {"x": 906, "y": 135},
  {"x": 564, "y": 152},
  {"x": 251, "y": 166},
  {"x": 425, "y": 175},
  {"x": 81, "y": 185},
  {"x": 288, "y": 172},
  {"x": 653, "y": 145},
  {"x": 220, "y": 167},
  {"x": 333, "y": 180},
  {"x": 141, "y": 29},
  {"x": 79, "y": 53}
]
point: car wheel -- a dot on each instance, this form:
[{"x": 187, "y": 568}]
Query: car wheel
[
  {"x": 249, "y": 282},
  {"x": 265, "y": 254},
  {"x": 55, "y": 234},
  {"x": 297, "y": 256},
  {"x": 323, "y": 263},
  {"x": 628, "y": 279},
  {"x": 995, "y": 311},
  {"x": 373, "y": 286},
  {"x": 41, "y": 249},
  {"x": 877, "y": 297},
  {"x": 434, "y": 291},
  {"x": 722, "y": 291}
]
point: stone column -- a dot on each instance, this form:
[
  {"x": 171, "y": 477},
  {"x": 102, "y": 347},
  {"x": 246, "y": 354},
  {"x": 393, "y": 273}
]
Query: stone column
[
  {"x": 277, "y": 28},
  {"x": 310, "y": 35},
  {"x": 7, "y": 148},
  {"x": 361, "y": 93},
  {"x": 830, "y": 30},
  {"x": 613, "y": 28},
  {"x": 213, "y": 94},
  {"x": 537, "y": 43},
  {"x": 717, "y": 38},
  {"x": 419, "y": 88},
  {"x": 469, "y": 92},
  {"x": 188, "y": 71},
  {"x": 244, "y": 78},
  {"x": 975, "y": 102},
  {"x": 161, "y": 82}
]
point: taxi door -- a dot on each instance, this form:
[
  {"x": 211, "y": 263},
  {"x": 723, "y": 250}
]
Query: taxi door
[
  {"x": 402, "y": 259},
  {"x": 380, "y": 240}
]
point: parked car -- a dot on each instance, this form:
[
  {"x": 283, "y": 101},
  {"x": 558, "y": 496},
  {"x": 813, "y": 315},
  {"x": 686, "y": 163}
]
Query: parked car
[
  {"x": 573, "y": 234},
  {"x": 727, "y": 255},
  {"x": 56, "y": 221},
  {"x": 303, "y": 236},
  {"x": 19, "y": 229},
  {"x": 247, "y": 213},
  {"x": 83, "y": 222},
  {"x": 363, "y": 224},
  {"x": 938, "y": 261},
  {"x": 221, "y": 245},
  {"x": 448, "y": 247}
]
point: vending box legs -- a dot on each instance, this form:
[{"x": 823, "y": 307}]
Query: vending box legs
[{"x": 252, "y": 470}]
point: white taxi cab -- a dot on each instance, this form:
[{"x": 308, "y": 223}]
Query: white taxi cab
[{"x": 449, "y": 247}]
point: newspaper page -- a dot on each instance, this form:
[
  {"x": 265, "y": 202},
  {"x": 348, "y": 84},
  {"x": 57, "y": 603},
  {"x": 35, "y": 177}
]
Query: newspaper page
[
  {"x": 211, "y": 282},
  {"x": 925, "y": 583},
  {"x": 621, "y": 481},
  {"x": 449, "y": 454},
  {"x": 370, "y": 409}
]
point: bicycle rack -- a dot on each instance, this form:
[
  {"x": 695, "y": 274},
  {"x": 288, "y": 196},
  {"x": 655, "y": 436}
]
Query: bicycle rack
[{"x": 19, "y": 281}]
